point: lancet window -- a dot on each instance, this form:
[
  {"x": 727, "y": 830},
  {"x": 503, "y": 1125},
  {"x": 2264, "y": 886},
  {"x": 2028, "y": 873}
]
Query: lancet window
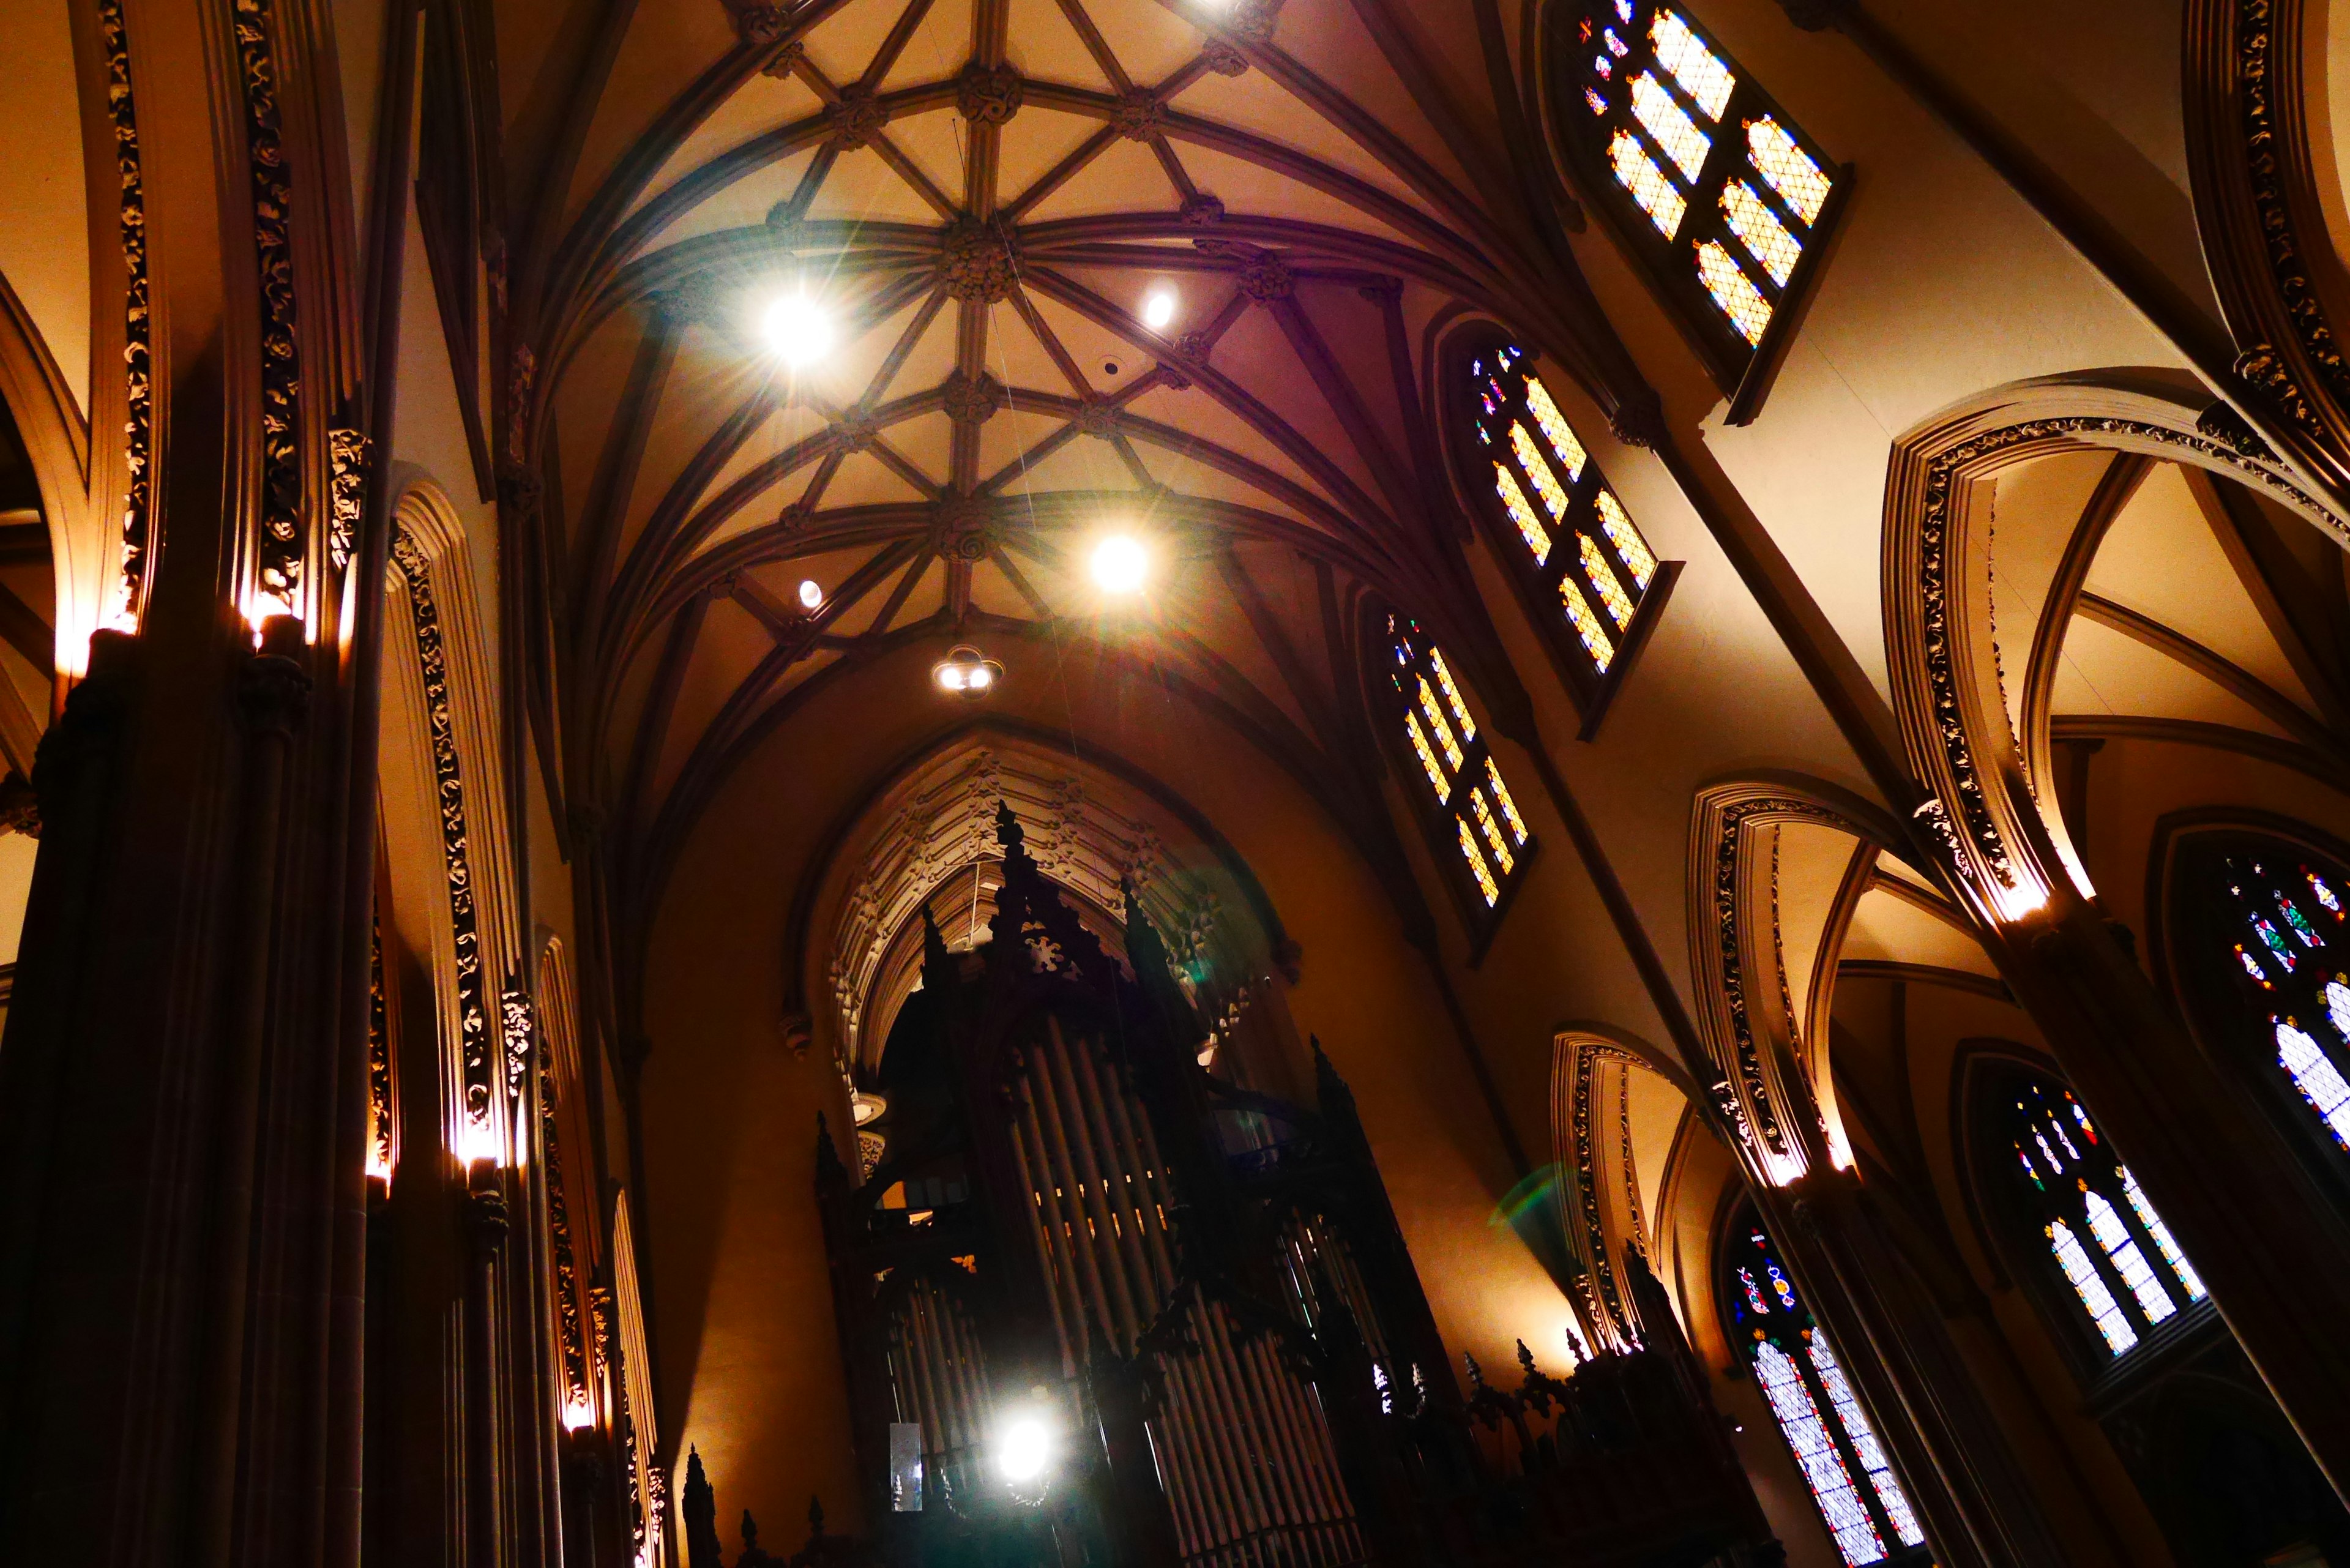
[
  {"x": 1467, "y": 802},
  {"x": 2288, "y": 927},
  {"x": 2117, "y": 1259},
  {"x": 1834, "y": 1444},
  {"x": 1727, "y": 200},
  {"x": 1562, "y": 528}
]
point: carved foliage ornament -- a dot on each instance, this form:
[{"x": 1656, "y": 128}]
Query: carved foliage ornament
[
  {"x": 138, "y": 382},
  {"x": 977, "y": 263},
  {"x": 988, "y": 95},
  {"x": 1759, "y": 1118},
  {"x": 2255, "y": 45},
  {"x": 347, "y": 455},
  {"x": 856, "y": 118},
  {"x": 449, "y": 787},
  {"x": 278, "y": 565},
  {"x": 973, "y": 399}
]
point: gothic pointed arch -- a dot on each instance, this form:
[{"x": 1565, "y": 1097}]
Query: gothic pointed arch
[{"x": 1991, "y": 792}]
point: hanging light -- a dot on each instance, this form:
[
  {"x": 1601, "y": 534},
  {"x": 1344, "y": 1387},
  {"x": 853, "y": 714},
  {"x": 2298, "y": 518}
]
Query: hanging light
[
  {"x": 1120, "y": 564},
  {"x": 1159, "y": 309},
  {"x": 798, "y": 328},
  {"x": 966, "y": 672},
  {"x": 811, "y": 594}
]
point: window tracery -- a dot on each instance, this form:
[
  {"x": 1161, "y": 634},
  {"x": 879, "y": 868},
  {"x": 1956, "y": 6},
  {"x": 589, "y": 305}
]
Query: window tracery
[
  {"x": 1581, "y": 547},
  {"x": 1464, "y": 781},
  {"x": 2120, "y": 1260},
  {"x": 1724, "y": 194},
  {"x": 2294, "y": 953},
  {"x": 1835, "y": 1446}
]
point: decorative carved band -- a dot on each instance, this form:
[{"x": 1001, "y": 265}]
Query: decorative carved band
[
  {"x": 278, "y": 556},
  {"x": 379, "y": 1060},
  {"x": 347, "y": 453},
  {"x": 1760, "y": 1119},
  {"x": 138, "y": 365},
  {"x": 1964, "y": 819},
  {"x": 2260, "y": 215},
  {"x": 449, "y": 787}
]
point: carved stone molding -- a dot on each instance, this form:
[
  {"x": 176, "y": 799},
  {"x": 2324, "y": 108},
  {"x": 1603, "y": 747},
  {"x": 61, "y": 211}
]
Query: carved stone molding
[
  {"x": 1201, "y": 211},
  {"x": 2260, "y": 207},
  {"x": 785, "y": 61},
  {"x": 758, "y": 24},
  {"x": 449, "y": 788},
  {"x": 1222, "y": 59},
  {"x": 279, "y": 543},
  {"x": 347, "y": 455},
  {"x": 138, "y": 362}
]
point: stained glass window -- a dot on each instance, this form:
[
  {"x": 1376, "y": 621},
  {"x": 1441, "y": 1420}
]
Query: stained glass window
[
  {"x": 2290, "y": 932},
  {"x": 1834, "y": 1442},
  {"x": 1733, "y": 193},
  {"x": 2117, "y": 1259},
  {"x": 1484, "y": 827},
  {"x": 1601, "y": 580}
]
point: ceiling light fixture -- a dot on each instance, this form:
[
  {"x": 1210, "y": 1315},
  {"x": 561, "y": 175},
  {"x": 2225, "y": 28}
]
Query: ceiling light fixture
[
  {"x": 1120, "y": 564},
  {"x": 966, "y": 672},
  {"x": 1024, "y": 1446},
  {"x": 798, "y": 328},
  {"x": 811, "y": 595},
  {"x": 1159, "y": 309}
]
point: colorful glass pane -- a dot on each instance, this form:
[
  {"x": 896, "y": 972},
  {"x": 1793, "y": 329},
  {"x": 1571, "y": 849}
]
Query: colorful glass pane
[
  {"x": 2323, "y": 893},
  {"x": 1598, "y": 105},
  {"x": 1477, "y": 868},
  {"x": 1760, "y": 230},
  {"x": 1630, "y": 548},
  {"x": 1638, "y": 172},
  {"x": 2297, "y": 922},
  {"x": 1492, "y": 832},
  {"x": 2316, "y": 1077},
  {"x": 1699, "y": 71},
  {"x": 1501, "y": 799},
  {"x": 2337, "y": 1005},
  {"x": 1603, "y": 65},
  {"x": 1800, "y": 182},
  {"x": 2252, "y": 967},
  {"x": 1666, "y": 120},
  {"x": 2274, "y": 943},
  {"x": 1753, "y": 1293},
  {"x": 1733, "y": 291},
  {"x": 1624, "y": 11},
  {"x": 2106, "y": 1311},
  {"x": 1817, "y": 1456},
  {"x": 1563, "y": 444},
  {"x": 1546, "y": 483},
  {"x": 1595, "y": 640},
  {"x": 1419, "y": 745},
  {"x": 2163, "y": 1241},
  {"x": 2105, "y": 1224},
  {"x": 2030, "y": 1170},
  {"x": 1855, "y": 1421},
  {"x": 1611, "y": 592},
  {"x": 1452, "y": 694},
  {"x": 1522, "y": 513},
  {"x": 1439, "y": 729}
]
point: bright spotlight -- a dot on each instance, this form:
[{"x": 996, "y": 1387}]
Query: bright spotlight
[
  {"x": 1159, "y": 309},
  {"x": 798, "y": 328},
  {"x": 811, "y": 595},
  {"x": 1024, "y": 1447},
  {"x": 1120, "y": 564},
  {"x": 965, "y": 671}
]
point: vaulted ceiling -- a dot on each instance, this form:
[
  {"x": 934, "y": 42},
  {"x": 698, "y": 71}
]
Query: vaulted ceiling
[{"x": 982, "y": 195}]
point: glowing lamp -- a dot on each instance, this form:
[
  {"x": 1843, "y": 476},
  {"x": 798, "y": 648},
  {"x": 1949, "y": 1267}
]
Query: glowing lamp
[
  {"x": 811, "y": 594},
  {"x": 1120, "y": 564},
  {"x": 579, "y": 1413},
  {"x": 798, "y": 328},
  {"x": 966, "y": 672},
  {"x": 1159, "y": 309},
  {"x": 1024, "y": 1448}
]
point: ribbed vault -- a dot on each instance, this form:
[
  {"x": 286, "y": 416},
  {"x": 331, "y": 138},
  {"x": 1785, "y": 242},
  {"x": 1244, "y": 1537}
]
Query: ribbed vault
[{"x": 982, "y": 194}]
